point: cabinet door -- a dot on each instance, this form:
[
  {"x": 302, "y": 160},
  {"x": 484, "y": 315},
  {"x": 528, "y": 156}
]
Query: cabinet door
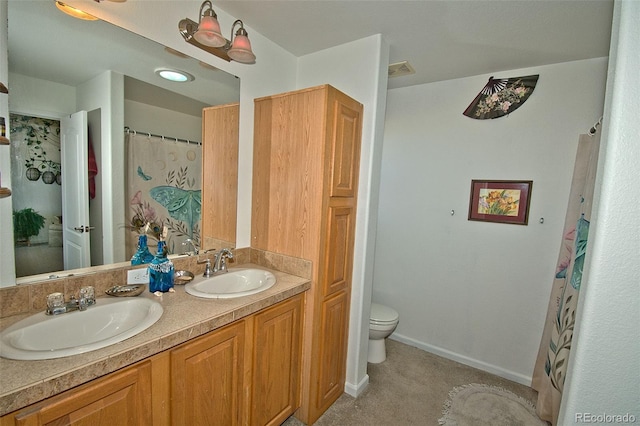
[
  {"x": 332, "y": 353},
  {"x": 276, "y": 363},
  {"x": 122, "y": 398},
  {"x": 207, "y": 378},
  {"x": 338, "y": 254},
  {"x": 345, "y": 146}
]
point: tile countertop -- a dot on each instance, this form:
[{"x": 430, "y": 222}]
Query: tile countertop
[{"x": 185, "y": 317}]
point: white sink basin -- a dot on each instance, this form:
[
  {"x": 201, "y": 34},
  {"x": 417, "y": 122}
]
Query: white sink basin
[
  {"x": 109, "y": 321},
  {"x": 234, "y": 283}
]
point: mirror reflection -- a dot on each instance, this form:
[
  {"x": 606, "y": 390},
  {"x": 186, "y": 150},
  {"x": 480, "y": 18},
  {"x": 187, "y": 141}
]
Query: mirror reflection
[{"x": 143, "y": 134}]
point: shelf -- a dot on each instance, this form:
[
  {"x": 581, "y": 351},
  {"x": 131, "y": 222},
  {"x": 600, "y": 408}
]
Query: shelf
[
  {"x": 5, "y": 192},
  {"x": 4, "y": 141}
]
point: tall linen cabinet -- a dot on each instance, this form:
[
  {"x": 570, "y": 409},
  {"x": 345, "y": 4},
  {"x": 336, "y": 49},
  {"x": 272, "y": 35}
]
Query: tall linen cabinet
[{"x": 305, "y": 182}]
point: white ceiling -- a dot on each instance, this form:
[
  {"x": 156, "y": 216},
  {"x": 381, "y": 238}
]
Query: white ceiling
[{"x": 442, "y": 39}]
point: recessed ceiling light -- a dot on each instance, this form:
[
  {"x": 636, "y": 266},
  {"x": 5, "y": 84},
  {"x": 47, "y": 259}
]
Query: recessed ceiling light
[{"x": 174, "y": 75}]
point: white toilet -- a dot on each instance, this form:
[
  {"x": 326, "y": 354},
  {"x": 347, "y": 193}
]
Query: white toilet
[{"x": 382, "y": 322}]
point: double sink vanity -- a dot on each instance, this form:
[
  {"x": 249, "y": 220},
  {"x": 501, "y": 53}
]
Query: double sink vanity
[
  {"x": 256, "y": 359},
  {"x": 165, "y": 359}
]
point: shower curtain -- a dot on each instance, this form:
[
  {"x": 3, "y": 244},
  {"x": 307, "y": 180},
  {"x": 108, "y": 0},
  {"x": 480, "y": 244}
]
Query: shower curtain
[
  {"x": 551, "y": 364},
  {"x": 163, "y": 190}
]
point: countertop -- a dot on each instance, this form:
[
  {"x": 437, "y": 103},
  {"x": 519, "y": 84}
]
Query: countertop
[{"x": 185, "y": 317}]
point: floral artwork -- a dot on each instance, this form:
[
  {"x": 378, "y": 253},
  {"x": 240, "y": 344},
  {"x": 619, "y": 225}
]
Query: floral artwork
[
  {"x": 500, "y": 97},
  {"x": 505, "y": 201},
  {"x": 502, "y": 202}
]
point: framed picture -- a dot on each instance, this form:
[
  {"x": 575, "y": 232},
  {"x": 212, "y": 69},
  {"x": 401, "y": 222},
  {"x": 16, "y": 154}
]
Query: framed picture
[{"x": 502, "y": 201}]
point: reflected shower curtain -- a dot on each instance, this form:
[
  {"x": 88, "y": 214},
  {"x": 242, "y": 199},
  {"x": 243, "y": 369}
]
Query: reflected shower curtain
[
  {"x": 551, "y": 365},
  {"x": 163, "y": 189}
]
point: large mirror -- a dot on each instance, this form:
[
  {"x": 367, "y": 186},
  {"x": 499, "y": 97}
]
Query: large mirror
[{"x": 69, "y": 65}]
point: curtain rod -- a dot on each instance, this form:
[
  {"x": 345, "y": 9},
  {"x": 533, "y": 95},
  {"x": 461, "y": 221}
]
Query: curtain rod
[
  {"x": 594, "y": 129},
  {"x": 167, "y": 138}
]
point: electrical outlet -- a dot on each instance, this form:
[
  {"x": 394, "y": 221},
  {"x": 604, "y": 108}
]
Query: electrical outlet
[{"x": 138, "y": 276}]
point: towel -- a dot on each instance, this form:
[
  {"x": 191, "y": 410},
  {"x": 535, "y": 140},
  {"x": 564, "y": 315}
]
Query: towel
[{"x": 93, "y": 171}]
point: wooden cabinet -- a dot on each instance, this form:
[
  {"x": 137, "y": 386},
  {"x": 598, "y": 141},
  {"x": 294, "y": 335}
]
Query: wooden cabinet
[
  {"x": 275, "y": 388},
  {"x": 219, "y": 175},
  {"x": 207, "y": 378},
  {"x": 305, "y": 182},
  {"x": 247, "y": 372},
  {"x": 121, "y": 398}
]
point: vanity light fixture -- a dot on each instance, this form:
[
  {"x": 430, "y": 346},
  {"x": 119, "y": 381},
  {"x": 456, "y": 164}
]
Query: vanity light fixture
[
  {"x": 76, "y": 13},
  {"x": 174, "y": 75},
  {"x": 207, "y": 36}
]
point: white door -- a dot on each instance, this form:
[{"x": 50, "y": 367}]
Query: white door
[{"x": 76, "y": 244}]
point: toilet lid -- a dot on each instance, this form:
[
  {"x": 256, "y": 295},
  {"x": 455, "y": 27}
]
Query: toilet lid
[{"x": 381, "y": 313}]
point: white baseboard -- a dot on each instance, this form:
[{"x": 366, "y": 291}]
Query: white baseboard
[
  {"x": 356, "y": 390},
  {"x": 481, "y": 365}
]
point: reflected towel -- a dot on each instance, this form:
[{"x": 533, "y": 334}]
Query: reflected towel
[{"x": 93, "y": 171}]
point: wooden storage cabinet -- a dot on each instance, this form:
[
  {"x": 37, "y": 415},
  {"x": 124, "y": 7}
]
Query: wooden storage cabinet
[
  {"x": 121, "y": 398},
  {"x": 305, "y": 184}
]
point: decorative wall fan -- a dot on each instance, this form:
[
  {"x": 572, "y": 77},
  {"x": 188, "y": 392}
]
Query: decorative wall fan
[{"x": 501, "y": 96}]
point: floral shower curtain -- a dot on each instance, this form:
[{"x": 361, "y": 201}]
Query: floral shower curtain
[
  {"x": 551, "y": 364},
  {"x": 163, "y": 189}
]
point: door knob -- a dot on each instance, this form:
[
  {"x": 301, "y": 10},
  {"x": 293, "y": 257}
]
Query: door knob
[{"x": 89, "y": 228}]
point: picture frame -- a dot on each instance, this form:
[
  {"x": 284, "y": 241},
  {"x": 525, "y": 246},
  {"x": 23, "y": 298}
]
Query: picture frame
[{"x": 500, "y": 201}]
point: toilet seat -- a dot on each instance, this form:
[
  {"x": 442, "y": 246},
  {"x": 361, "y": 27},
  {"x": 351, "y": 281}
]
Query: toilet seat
[{"x": 382, "y": 315}]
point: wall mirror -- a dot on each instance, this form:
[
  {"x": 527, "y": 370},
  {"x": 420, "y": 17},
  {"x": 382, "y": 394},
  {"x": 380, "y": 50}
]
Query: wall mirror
[{"x": 53, "y": 73}]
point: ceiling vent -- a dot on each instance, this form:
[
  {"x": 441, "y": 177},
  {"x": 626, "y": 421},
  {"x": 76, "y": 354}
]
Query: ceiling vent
[{"x": 400, "y": 68}]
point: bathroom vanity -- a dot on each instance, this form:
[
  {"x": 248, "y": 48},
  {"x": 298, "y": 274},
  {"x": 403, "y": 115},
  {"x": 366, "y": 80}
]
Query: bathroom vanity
[
  {"x": 206, "y": 361},
  {"x": 234, "y": 361}
]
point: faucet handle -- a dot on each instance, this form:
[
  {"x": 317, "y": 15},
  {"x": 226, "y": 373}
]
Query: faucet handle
[
  {"x": 207, "y": 267},
  {"x": 88, "y": 295},
  {"x": 55, "y": 303}
]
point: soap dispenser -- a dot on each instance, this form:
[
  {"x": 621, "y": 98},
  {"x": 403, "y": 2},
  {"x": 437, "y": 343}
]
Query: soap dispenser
[{"x": 161, "y": 269}]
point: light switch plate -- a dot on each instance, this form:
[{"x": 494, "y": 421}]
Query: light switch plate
[{"x": 138, "y": 276}]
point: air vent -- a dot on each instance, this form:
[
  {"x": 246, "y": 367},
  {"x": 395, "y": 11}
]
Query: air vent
[{"x": 400, "y": 68}]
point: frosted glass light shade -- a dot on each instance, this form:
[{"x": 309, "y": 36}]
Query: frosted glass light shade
[
  {"x": 209, "y": 32},
  {"x": 241, "y": 50}
]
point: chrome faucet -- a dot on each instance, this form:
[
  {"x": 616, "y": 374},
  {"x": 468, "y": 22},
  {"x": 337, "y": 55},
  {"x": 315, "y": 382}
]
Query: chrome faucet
[
  {"x": 189, "y": 242},
  {"x": 56, "y": 304},
  {"x": 220, "y": 261}
]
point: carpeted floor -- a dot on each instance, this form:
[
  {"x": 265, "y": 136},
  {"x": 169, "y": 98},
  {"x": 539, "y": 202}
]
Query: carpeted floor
[{"x": 409, "y": 388}]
